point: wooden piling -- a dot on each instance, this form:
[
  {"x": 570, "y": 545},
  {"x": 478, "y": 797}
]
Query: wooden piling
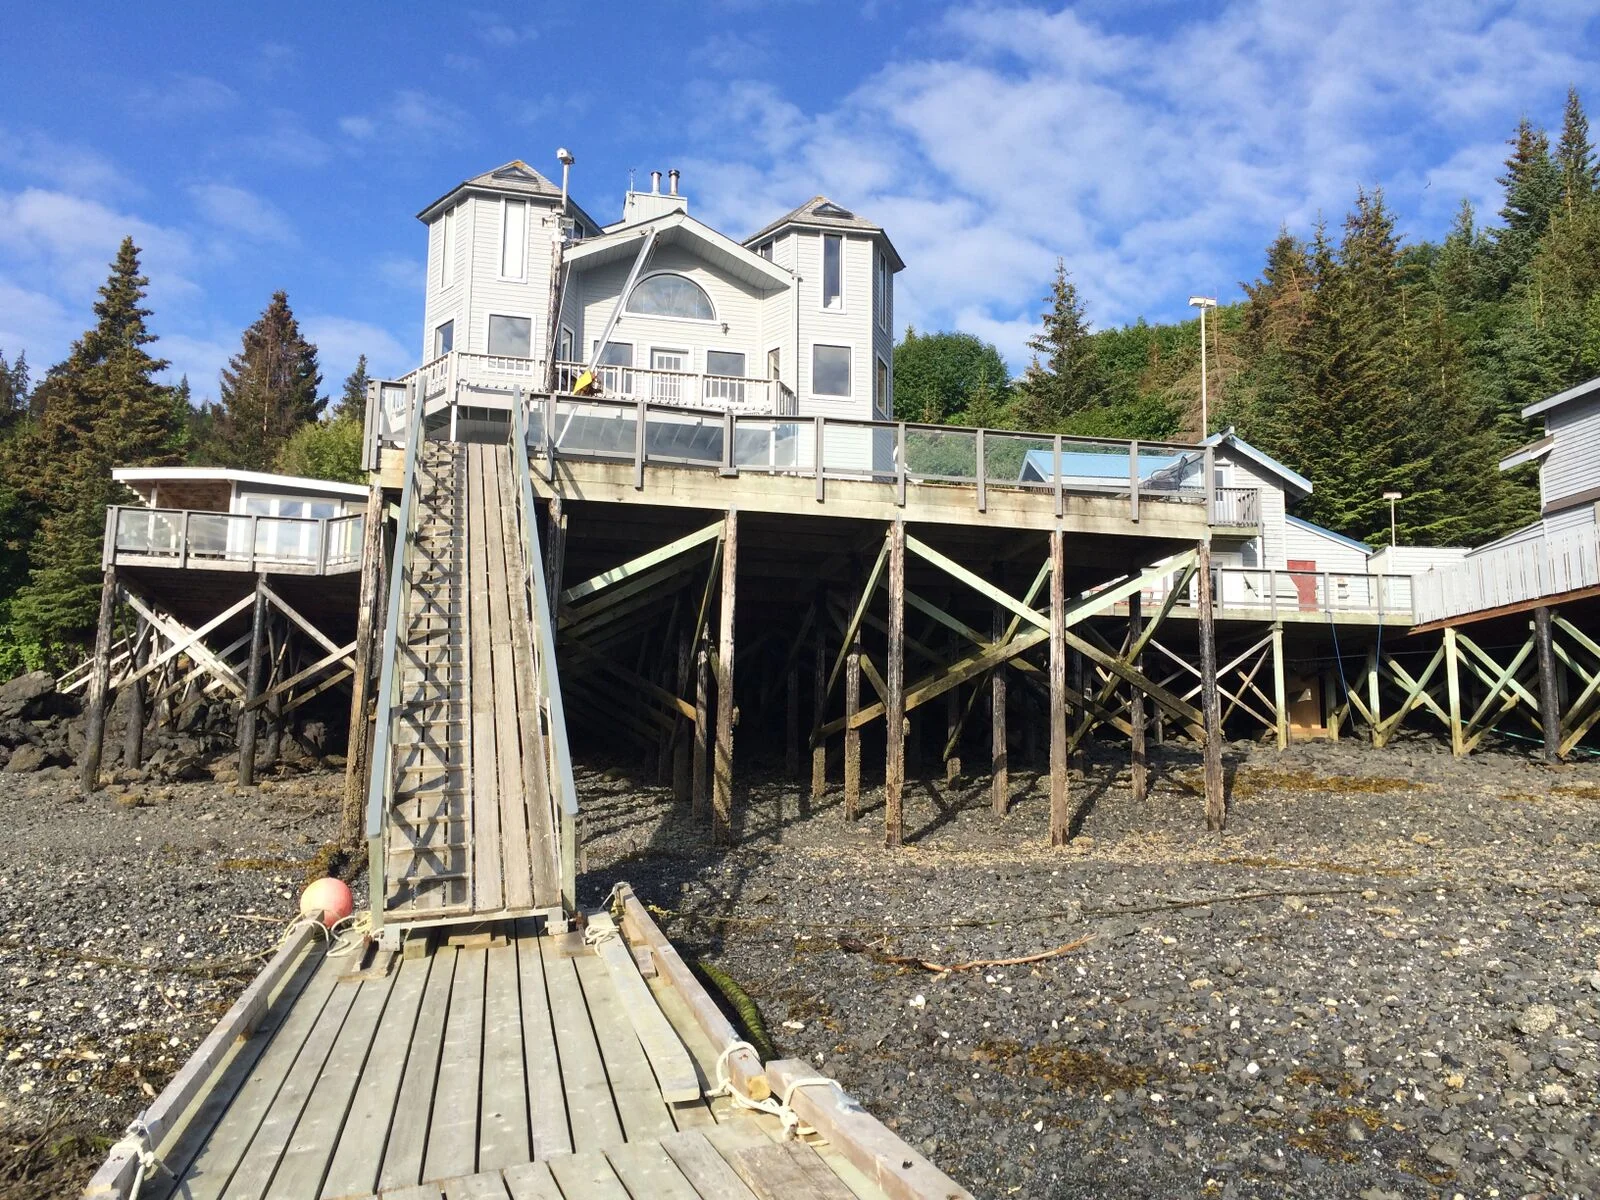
[
  {"x": 369, "y": 617},
  {"x": 1216, "y": 802},
  {"x": 1139, "y": 765},
  {"x": 700, "y": 800},
  {"x": 683, "y": 742},
  {"x": 1374, "y": 679},
  {"x": 556, "y": 553},
  {"x": 722, "y": 789},
  {"x": 133, "y": 735},
  {"x": 894, "y": 772},
  {"x": 1280, "y": 691},
  {"x": 94, "y": 726},
  {"x": 1077, "y": 716},
  {"x": 1549, "y": 693},
  {"x": 248, "y": 720},
  {"x": 1452, "y": 674},
  {"x": 952, "y": 721},
  {"x": 819, "y": 709},
  {"x": 1330, "y": 704},
  {"x": 1000, "y": 770},
  {"x": 852, "y": 735},
  {"x": 1060, "y": 815}
]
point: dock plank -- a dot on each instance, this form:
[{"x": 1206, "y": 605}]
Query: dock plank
[
  {"x": 547, "y": 1104},
  {"x": 503, "y": 1105},
  {"x": 639, "y": 1103},
  {"x": 674, "y": 1070},
  {"x": 408, "y": 1136},
  {"x": 453, "y": 1130},
  {"x": 483, "y": 1186},
  {"x": 488, "y": 889},
  {"x": 531, "y": 1181},
  {"x": 707, "y": 1170},
  {"x": 505, "y": 590},
  {"x": 593, "y": 1114},
  {"x": 359, "y": 1153},
  {"x": 646, "y": 1170},
  {"x": 587, "y": 1176},
  {"x": 787, "y": 1171}
]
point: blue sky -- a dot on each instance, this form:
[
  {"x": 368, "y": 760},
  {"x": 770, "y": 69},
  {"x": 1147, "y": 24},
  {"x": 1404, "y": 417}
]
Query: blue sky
[{"x": 1156, "y": 146}]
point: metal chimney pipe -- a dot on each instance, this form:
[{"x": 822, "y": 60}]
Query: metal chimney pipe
[
  {"x": 655, "y": 181},
  {"x": 672, "y": 182}
]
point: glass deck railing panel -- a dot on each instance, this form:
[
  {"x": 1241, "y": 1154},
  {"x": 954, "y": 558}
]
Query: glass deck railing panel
[
  {"x": 152, "y": 532},
  {"x": 683, "y": 438},
  {"x": 938, "y": 453},
  {"x": 1018, "y": 460},
  {"x": 850, "y": 449},
  {"x": 769, "y": 443},
  {"x": 595, "y": 429},
  {"x": 201, "y": 537}
]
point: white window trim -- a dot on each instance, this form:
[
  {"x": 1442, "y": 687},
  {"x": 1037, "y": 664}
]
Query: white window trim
[
  {"x": 526, "y": 239},
  {"x": 707, "y": 351},
  {"x": 778, "y": 346},
  {"x": 880, "y": 404},
  {"x": 687, "y": 353},
  {"x": 884, "y": 277},
  {"x": 434, "y": 340},
  {"x": 811, "y": 368},
  {"x": 844, "y": 291},
  {"x": 572, "y": 342},
  {"x": 532, "y": 328},
  {"x": 713, "y": 319}
]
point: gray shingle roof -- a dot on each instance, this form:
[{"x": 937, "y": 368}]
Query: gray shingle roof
[
  {"x": 819, "y": 212},
  {"x": 515, "y": 178}
]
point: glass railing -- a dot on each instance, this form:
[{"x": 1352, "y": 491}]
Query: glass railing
[{"x": 193, "y": 538}]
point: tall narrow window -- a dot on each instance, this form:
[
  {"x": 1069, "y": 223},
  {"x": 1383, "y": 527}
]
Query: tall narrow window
[
  {"x": 830, "y": 370},
  {"x": 832, "y": 271},
  {"x": 444, "y": 338},
  {"x": 880, "y": 394},
  {"x": 884, "y": 278},
  {"x": 513, "y": 238},
  {"x": 564, "y": 352},
  {"x": 774, "y": 364},
  {"x": 447, "y": 249},
  {"x": 765, "y": 250}
]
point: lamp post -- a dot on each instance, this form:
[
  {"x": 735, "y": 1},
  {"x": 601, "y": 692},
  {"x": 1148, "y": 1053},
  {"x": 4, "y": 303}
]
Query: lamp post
[
  {"x": 1391, "y": 497},
  {"x": 566, "y": 159},
  {"x": 1203, "y": 303}
]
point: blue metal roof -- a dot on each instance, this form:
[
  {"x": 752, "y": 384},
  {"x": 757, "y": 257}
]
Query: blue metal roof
[
  {"x": 1087, "y": 464},
  {"x": 1330, "y": 534},
  {"x": 1295, "y": 480}
]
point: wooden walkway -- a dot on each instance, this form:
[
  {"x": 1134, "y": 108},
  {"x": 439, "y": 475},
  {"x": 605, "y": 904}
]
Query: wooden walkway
[
  {"x": 513, "y": 1070},
  {"x": 470, "y": 831}
]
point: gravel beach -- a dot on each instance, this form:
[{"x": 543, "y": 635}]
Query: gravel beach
[{"x": 1381, "y": 980}]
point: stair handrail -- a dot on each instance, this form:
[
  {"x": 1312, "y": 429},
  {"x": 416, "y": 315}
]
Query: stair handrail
[
  {"x": 563, "y": 787},
  {"x": 380, "y": 783}
]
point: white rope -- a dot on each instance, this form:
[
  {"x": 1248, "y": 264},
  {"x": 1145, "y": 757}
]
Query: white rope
[
  {"x": 135, "y": 1142},
  {"x": 777, "y": 1107}
]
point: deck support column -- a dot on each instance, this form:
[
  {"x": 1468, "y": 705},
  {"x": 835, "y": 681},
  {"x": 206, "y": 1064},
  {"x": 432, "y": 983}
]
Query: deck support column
[
  {"x": 94, "y": 727},
  {"x": 1280, "y": 691},
  {"x": 133, "y": 735},
  {"x": 819, "y": 710},
  {"x": 1374, "y": 679},
  {"x": 1139, "y": 766},
  {"x": 852, "y": 735},
  {"x": 1549, "y": 688},
  {"x": 952, "y": 720},
  {"x": 700, "y": 799},
  {"x": 722, "y": 790},
  {"x": 358, "y": 747},
  {"x": 1078, "y": 715},
  {"x": 1216, "y": 802},
  {"x": 681, "y": 742},
  {"x": 249, "y": 719},
  {"x": 1000, "y": 772},
  {"x": 1452, "y": 674},
  {"x": 894, "y": 772},
  {"x": 555, "y": 556},
  {"x": 1060, "y": 817},
  {"x": 1330, "y": 704}
]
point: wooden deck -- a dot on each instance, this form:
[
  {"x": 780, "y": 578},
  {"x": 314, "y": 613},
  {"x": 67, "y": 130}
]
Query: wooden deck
[
  {"x": 470, "y": 831},
  {"x": 515, "y": 1070}
]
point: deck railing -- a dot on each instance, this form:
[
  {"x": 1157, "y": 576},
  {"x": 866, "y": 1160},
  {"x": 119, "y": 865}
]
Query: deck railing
[
  {"x": 1514, "y": 574},
  {"x": 1273, "y": 594},
  {"x": 684, "y": 389},
  {"x": 178, "y": 537}
]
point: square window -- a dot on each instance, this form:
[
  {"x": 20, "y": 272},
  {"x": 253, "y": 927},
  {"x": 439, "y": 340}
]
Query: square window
[
  {"x": 444, "y": 339},
  {"x": 617, "y": 354},
  {"x": 830, "y": 370},
  {"x": 725, "y": 362},
  {"x": 511, "y": 337}
]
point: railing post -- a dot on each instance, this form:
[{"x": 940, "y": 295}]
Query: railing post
[
  {"x": 183, "y": 540},
  {"x": 900, "y": 463},
  {"x": 728, "y": 469},
  {"x": 108, "y": 540},
  {"x": 1327, "y": 591},
  {"x": 255, "y": 527},
  {"x": 1272, "y": 590},
  {"x": 1133, "y": 480},
  {"x": 1378, "y": 584},
  {"x": 817, "y": 460},
  {"x": 638, "y": 446},
  {"x": 983, "y": 489},
  {"x": 1055, "y": 450},
  {"x": 550, "y": 435},
  {"x": 322, "y": 545}
]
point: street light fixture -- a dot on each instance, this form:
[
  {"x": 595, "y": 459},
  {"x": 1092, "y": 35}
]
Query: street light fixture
[
  {"x": 1391, "y": 497},
  {"x": 1203, "y": 303}
]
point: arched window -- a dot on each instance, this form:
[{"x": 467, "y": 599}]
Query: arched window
[{"x": 671, "y": 296}]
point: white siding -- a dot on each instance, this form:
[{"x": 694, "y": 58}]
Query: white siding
[
  {"x": 1573, "y": 464},
  {"x": 1528, "y": 533},
  {"x": 883, "y": 335},
  {"x": 490, "y": 294},
  {"x": 1414, "y": 560},
  {"x": 1330, "y": 554},
  {"x": 1242, "y": 473},
  {"x": 1579, "y": 516},
  {"x": 851, "y": 327},
  {"x": 777, "y": 319}
]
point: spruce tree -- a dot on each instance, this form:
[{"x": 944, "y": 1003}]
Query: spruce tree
[
  {"x": 14, "y": 389},
  {"x": 1580, "y": 177},
  {"x": 269, "y": 389},
  {"x": 353, "y": 400},
  {"x": 1069, "y": 378},
  {"x": 1532, "y": 183}
]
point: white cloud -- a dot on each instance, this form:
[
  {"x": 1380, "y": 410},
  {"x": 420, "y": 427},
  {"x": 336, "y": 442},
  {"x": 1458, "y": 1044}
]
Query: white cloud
[
  {"x": 235, "y": 210},
  {"x": 181, "y": 96},
  {"x": 493, "y": 30},
  {"x": 409, "y": 118},
  {"x": 360, "y": 128},
  {"x": 200, "y": 358},
  {"x": 406, "y": 275},
  {"x": 1154, "y": 162},
  {"x": 37, "y": 156},
  {"x": 286, "y": 140},
  {"x": 342, "y": 340}
]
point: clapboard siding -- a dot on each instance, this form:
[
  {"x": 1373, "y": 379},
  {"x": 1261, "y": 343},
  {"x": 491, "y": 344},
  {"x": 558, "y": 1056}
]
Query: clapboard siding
[
  {"x": 777, "y": 318},
  {"x": 850, "y": 327},
  {"x": 883, "y": 335},
  {"x": 1573, "y": 464},
  {"x": 1241, "y": 473},
  {"x": 1330, "y": 554},
  {"x": 527, "y": 297},
  {"x": 1414, "y": 560},
  {"x": 1580, "y": 516}
]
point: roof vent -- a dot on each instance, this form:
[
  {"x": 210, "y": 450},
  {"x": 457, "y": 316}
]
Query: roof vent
[
  {"x": 830, "y": 209},
  {"x": 516, "y": 171}
]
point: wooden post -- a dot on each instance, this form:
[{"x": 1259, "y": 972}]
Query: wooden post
[
  {"x": 952, "y": 722},
  {"x": 1280, "y": 692},
  {"x": 894, "y": 771},
  {"x": 1549, "y": 692},
  {"x": 1139, "y": 770},
  {"x": 1216, "y": 803},
  {"x": 791, "y": 723},
  {"x": 1000, "y": 772},
  {"x": 722, "y": 790},
  {"x": 133, "y": 735},
  {"x": 1373, "y": 681},
  {"x": 852, "y": 735},
  {"x": 94, "y": 727},
  {"x": 358, "y": 745},
  {"x": 819, "y": 710},
  {"x": 249, "y": 718},
  {"x": 1452, "y": 674},
  {"x": 1076, "y": 713},
  {"x": 1330, "y": 704},
  {"x": 1060, "y": 817},
  {"x": 681, "y": 744},
  {"x": 701, "y": 806},
  {"x": 555, "y": 555}
]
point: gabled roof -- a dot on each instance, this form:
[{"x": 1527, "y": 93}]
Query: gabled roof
[
  {"x": 821, "y": 213},
  {"x": 679, "y": 228},
  {"x": 1560, "y": 398},
  {"x": 515, "y": 178},
  {"x": 1532, "y": 452},
  {"x": 1310, "y": 527},
  {"x": 294, "y": 483},
  {"x": 1294, "y": 482}
]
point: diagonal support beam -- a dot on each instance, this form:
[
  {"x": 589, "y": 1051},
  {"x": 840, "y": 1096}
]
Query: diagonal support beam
[{"x": 643, "y": 562}]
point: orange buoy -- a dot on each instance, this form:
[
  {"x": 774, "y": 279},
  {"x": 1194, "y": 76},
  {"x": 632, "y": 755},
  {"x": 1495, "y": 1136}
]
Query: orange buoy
[{"x": 329, "y": 896}]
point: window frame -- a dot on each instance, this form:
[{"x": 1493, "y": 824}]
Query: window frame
[
  {"x": 633, "y": 357},
  {"x": 850, "y": 370},
  {"x": 881, "y": 384},
  {"x": 884, "y": 276},
  {"x": 488, "y": 324},
  {"x": 822, "y": 274},
  {"x": 448, "y": 238},
  {"x": 744, "y": 359},
  {"x": 713, "y": 319},
  {"x": 505, "y": 208},
  {"x": 567, "y": 339},
  {"x": 450, "y": 324}
]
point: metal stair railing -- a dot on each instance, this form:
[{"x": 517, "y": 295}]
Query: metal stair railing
[
  {"x": 563, "y": 788},
  {"x": 380, "y": 789}
]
